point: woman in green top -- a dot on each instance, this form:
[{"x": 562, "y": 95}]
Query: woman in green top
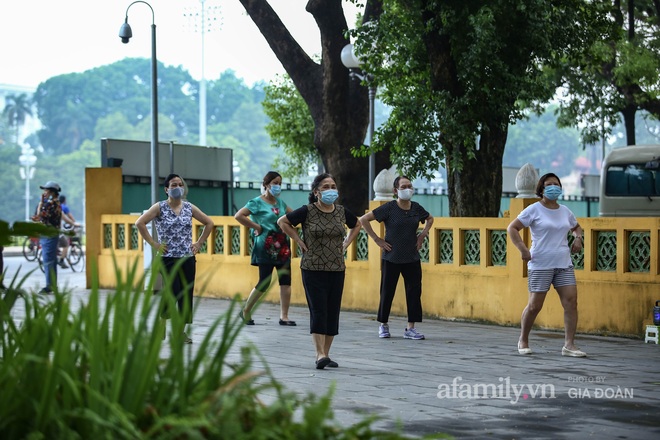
[{"x": 270, "y": 248}]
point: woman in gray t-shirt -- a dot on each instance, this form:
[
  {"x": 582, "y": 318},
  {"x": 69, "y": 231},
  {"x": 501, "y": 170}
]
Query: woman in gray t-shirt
[{"x": 400, "y": 254}]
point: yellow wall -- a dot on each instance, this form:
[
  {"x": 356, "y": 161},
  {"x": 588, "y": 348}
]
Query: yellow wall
[
  {"x": 103, "y": 195},
  {"x": 617, "y": 302}
]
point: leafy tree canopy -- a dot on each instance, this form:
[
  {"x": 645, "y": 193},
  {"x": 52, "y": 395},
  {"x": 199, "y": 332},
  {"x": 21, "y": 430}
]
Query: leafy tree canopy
[{"x": 457, "y": 73}]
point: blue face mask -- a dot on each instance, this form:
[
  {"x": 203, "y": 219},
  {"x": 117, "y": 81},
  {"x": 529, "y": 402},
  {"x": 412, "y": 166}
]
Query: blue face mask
[
  {"x": 329, "y": 196},
  {"x": 176, "y": 193},
  {"x": 552, "y": 192},
  {"x": 275, "y": 190}
]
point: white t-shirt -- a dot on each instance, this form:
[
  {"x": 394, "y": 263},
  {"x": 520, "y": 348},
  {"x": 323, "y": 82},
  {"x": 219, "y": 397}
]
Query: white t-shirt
[{"x": 550, "y": 229}]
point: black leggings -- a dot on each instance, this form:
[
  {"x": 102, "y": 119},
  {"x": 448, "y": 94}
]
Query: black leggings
[
  {"x": 266, "y": 275},
  {"x": 323, "y": 291},
  {"x": 183, "y": 285},
  {"x": 412, "y": 278}
]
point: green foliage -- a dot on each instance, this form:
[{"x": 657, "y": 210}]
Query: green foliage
[
  {"x": 96, "y": 370},
  {"x": 291, "y": 127},
  {"x": 619, "y": 73},
  {"x": 453, "y": 70},
  {"x": 70, "y": 105}
]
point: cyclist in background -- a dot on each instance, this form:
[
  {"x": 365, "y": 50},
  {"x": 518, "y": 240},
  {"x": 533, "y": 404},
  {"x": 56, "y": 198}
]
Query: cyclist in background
[{"x": 68, "y": 222}]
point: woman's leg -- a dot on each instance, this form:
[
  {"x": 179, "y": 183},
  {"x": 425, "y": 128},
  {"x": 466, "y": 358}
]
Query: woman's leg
[
  {"x": 568, "y": 298},
  {"x": 285, "y": 302},
  {"x": 412, "y": 279},
  {"x": 534, "y": 306},
  {"x": 284, "y": 278},
  {"x": 49, "y": 258},
  {"x": 265, "y": 277},
  {"x": 388, "y": 280}
]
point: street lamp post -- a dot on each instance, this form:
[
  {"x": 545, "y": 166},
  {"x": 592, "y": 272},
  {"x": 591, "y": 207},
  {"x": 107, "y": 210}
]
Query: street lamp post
[
  {"x": 27, "y": 161},
  {"x": 125, "y": 33},
  {"x": 353, "y": 64}
]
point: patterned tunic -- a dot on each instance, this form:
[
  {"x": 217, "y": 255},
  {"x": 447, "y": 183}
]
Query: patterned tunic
[
  {"x": 323, "y": 234},
  {"x": 401, "y": 230},
  {"x": 272, "y": 245},
  {"x": 51, "y": 211},
  {"x": 175, "y": 230}
]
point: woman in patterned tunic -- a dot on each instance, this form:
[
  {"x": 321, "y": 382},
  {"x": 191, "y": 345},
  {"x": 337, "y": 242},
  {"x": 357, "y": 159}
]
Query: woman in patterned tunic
[
  {"x": 270, "y": 248},
  {"x": 400, "y": 247},
  {"x": 322, "y": 263},
  {"x": 173, "y": 218}
]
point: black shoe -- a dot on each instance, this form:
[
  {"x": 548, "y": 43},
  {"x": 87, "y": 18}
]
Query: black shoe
[
  {"x": 322, "y": 363},
  {"x": 62, "y": 264},
  {"x": 291, "y": 323},
  {"x": 245, "y": 321},
  {"x": 45, "y": 291}
]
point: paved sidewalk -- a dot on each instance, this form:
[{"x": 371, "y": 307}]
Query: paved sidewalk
[{"x": 466, "y": 380}]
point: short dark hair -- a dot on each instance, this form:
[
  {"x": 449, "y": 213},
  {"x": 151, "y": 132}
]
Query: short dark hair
[
  {"x": 541, "y": 184},
  {"x": 170, "y": 177},
  {"x": 315, "y": 184},
  {"x": 269, "y": 177},
  {"x": 62, "y": 198},
  {"x": 396, "y": 181}
]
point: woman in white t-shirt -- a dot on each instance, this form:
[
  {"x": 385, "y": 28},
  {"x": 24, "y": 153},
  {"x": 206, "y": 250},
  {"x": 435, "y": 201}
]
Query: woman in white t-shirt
[{"x": 549, "y": 260}]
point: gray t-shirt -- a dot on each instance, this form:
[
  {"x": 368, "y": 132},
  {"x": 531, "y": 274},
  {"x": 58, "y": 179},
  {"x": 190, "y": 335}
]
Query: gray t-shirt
[{"x": 401, "y": 230}]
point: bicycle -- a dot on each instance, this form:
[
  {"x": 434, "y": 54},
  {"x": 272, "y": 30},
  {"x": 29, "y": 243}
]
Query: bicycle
[
  {"x": 31, "y": 248},
  {"x": 75, "y": 257}
]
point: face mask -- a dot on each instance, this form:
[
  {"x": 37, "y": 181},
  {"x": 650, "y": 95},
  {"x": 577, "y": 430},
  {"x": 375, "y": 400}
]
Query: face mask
[
  {"x": 405, "y": 194},
  {"x": 329, "y": 196},
  {"x": 552, "y": 192},
  {"x": 176, "y": 193},
  {"x": 275, "y": 190}
]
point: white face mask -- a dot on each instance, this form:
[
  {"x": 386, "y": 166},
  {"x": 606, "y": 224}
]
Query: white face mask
[{"x": 405, "y": 194}]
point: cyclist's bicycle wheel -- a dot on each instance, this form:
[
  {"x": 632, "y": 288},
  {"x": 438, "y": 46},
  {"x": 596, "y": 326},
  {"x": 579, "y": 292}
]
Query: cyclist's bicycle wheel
[
  {"x": 76, "y": 257},
  {"x": 40, "y": 259},
  {"x": 30, "y": 248}
]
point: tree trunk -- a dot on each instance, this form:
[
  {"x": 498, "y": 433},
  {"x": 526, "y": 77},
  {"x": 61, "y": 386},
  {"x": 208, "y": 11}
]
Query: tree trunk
[
  {"x": 629, "y": 121},
  {"x": 476, "y": 190},
  {"x": 338, "y": 104}
]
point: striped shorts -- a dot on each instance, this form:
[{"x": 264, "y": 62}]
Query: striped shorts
[{"x": 540, "y": 280}]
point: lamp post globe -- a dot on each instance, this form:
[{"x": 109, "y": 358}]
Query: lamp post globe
[{"x": 27, "y": 160}]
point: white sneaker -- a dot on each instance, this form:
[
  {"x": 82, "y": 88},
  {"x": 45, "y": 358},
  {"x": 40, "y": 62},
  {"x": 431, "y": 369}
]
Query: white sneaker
[
  {"x": 412, "y": 333},
  {"x": 384, "y": 331}
]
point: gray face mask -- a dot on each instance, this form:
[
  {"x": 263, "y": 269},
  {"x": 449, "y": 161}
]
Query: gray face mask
[{"x": 176, "y": 193}]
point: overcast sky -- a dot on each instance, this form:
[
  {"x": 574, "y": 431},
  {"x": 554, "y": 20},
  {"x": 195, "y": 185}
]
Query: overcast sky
[{"x": 40, "y": 39}]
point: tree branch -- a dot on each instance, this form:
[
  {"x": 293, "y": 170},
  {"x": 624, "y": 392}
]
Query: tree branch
[{"x": 305, "y": 73}]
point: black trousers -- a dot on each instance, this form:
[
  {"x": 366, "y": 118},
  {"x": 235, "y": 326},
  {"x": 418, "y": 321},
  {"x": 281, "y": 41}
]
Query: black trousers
[
  {"x": 412, "y": 278},
  {"x": 183, "y": 285},
  {"x": 323, "y": 291}
]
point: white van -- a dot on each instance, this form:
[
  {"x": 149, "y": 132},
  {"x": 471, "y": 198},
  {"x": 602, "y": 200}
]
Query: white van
[{"x": 630, "y": 182}]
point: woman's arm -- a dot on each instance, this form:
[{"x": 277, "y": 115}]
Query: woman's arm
[
  {"x": 365, "y": 222},
  {"x": 208, "y": 228},
  {"x": 141, "y": 224},
  {"x": 578, "y": 243},
  {"x": 513, "y": 230},
  {"x": 243, "y": 217},
  {"x": 425, "y": 232},
  {"x": 286, "y": 226},
  {"x": 352, "y": 235}
]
